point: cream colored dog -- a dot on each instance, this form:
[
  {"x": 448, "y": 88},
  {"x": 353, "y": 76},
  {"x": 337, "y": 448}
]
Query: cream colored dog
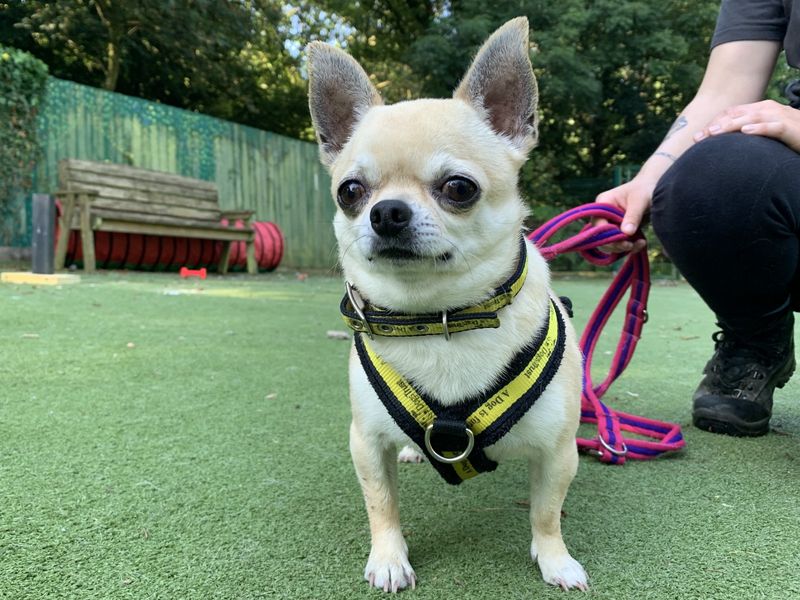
[{"x": 429, "y": 220}]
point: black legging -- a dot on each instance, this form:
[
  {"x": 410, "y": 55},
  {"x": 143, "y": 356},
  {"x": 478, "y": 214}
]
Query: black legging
[{"x": 728, "y": 214}]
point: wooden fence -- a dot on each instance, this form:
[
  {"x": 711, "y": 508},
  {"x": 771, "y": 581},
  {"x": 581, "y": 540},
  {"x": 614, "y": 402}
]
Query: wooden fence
[{"x": 280, "y": 178}]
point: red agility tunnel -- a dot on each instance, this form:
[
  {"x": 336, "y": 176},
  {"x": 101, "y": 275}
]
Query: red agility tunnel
[
  {"x": 165, "y": 253},
  {"x": 268, "y": 244}
]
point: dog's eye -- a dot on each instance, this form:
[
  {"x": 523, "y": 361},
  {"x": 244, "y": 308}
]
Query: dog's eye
[
  {"x": 350, "y": 193},
  {"x": 459, "y": 190}
]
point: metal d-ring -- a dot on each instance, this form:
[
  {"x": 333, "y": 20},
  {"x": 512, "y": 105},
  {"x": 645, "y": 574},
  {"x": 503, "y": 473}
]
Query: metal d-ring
[
  {"x": 445, "y": 327},
  {"x": 444, "y": 459},
  {"x": 358, "y": 305},
  {"x": 613, "y": 451}
]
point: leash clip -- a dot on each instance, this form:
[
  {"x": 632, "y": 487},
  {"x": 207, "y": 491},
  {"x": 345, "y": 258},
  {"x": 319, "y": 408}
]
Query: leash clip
[
  {"x": 613, "y": 451},
  {"x": 444, "y": 459},
  {"x": 358, "y": 305}
]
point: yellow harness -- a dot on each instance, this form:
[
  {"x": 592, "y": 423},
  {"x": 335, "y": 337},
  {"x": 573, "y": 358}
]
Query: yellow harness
[{"x": 454, "y": 437}]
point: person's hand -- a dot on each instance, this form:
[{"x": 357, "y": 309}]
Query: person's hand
[
  {"x": 634, "y": 199},
  {"x": 767, "y": 118}
]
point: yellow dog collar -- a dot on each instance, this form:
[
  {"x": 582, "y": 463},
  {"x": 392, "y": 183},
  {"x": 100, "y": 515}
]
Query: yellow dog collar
[{"x": 363, "y": 317}]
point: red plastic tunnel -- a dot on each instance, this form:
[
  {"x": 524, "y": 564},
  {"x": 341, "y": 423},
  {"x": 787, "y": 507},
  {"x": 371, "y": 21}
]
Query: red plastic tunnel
[{"x": 165, "y": 253}]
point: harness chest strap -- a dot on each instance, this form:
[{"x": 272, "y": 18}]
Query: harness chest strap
[
  {"x": 360, "y": 316},
  {"x": 443, "y": 432}
]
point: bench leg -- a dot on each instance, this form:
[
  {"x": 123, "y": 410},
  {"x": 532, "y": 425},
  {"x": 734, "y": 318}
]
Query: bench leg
[
  {"x": 222, "y": 268},
  {"x": 252, "y": 265},
  {"x": 64, "y": 229},
  {"x": 87, "y": 236}
]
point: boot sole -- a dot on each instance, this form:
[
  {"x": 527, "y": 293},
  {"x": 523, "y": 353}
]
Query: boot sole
[
  {"x": 709, "y": 420},
  {"x": 727, "y": 423}
]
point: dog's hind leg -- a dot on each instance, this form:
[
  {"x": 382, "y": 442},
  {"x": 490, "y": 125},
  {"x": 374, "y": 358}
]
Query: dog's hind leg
[
  {"x": 551, "y": 474},
  {"x": 376, "y": 466}
]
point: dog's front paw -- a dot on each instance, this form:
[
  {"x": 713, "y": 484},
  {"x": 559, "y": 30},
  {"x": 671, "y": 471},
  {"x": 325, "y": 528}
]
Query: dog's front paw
[
  {"x": 389, "y": 571},
  {"x": 564, "y": 572},
  {"x": 410, "y": 455}
]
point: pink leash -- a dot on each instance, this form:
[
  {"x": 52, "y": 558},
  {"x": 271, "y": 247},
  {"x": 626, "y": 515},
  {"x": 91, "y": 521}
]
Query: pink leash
[{"x": 611, "y": 446}]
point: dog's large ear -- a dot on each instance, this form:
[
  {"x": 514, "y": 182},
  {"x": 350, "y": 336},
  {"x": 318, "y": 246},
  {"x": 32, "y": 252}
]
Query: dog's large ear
[
  {"x": 500, "y": 84},
  {"x": 339, "y": 93}
]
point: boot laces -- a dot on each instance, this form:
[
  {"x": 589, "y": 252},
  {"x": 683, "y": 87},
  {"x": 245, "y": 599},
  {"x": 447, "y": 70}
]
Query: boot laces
[{"x": 738, "y": 364}]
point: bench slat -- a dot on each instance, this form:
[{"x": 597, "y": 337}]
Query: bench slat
[
  {"x": 138, "y": 173},
  {"x": 135, "y": 205},
  {"x": 156, "y": 218},
  {"x": 110, "y": 185},
  {"x": 219, "y": 233}
]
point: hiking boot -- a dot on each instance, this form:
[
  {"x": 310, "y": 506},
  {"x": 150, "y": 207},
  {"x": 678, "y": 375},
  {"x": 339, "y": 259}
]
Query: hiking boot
[{"x": 735, "y": 396}]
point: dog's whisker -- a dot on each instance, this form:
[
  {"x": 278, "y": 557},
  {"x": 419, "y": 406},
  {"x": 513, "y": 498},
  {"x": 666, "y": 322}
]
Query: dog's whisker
[
  {"x": 459, "y": 251},
  {"x": 350, "y": 245}
]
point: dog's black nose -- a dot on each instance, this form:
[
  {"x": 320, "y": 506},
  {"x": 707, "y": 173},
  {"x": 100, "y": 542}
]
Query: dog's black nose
[{"x": 390, "y": 217}]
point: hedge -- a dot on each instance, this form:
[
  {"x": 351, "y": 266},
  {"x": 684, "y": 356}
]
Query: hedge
[{"x": 23, "y": 79}]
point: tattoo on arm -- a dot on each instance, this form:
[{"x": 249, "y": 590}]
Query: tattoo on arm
[
  {"x": 672, "y": 157},
  {"x": 679, "y": 124}
]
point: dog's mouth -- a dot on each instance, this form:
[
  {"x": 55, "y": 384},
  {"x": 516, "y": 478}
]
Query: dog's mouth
[{"x": 404, "y": 255}]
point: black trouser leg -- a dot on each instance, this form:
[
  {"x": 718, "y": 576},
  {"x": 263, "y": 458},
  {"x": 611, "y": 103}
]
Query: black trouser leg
[{"x": 728, "y": 214}]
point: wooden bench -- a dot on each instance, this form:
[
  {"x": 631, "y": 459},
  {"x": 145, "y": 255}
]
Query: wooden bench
[{"x": 99, "y": 196}]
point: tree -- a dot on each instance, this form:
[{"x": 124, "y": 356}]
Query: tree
[
  {"x": 612, "y": 74},
  {"x": 215, "y": 56}
]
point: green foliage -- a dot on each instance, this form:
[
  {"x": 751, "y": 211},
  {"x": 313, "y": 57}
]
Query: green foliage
[
  {"x": 782, "y": 76},
  {"x": 226, "y": 59},
  {"x": 22, "y": 84},
  {"x": 381, "y": 33},
  {"x": 613, "y": 74}
]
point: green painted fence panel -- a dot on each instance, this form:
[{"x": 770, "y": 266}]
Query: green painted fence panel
[{"x": 279, "y": 178}]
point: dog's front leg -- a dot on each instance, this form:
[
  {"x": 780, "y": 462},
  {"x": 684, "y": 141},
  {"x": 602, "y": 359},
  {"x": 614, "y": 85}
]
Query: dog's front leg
[
  {"x": 551, "y": 474},
  {"x": 376, "y": 466}
]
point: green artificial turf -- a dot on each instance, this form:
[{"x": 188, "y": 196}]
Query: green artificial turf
[{"x": 162, "y": 438}]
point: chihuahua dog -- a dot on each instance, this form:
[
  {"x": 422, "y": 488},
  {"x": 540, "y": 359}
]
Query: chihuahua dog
[{"x": 451, "y": 305}]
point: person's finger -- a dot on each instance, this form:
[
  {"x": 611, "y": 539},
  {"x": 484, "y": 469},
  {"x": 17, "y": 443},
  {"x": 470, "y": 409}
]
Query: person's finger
[
  {"x": 722, "y": 125},
  {"x": 633, "y": 217},
  {"x": 731, "y": 119},
  {"x": 613, "y": 197},
  {"x": 614, "y": 247},
  {"x": 773, "y": 129},
  {"x": 606, "y": 197},
  {"x": 787, "y": 133}
]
